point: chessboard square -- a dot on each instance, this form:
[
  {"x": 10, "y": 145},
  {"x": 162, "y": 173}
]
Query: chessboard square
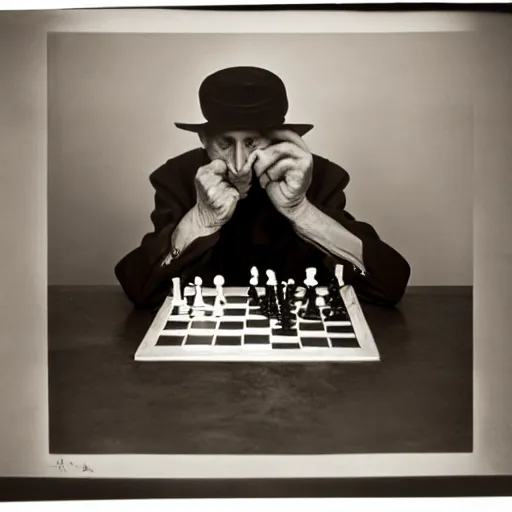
[
  {"x": 311, "y": 326},
  {"x": 315, "y": 342},
  {"x": 258, "y": 323},
  {"x": 344, "y": 342},
  {"x": 209, "y": 299},
  {"x": 204, "y": 324},
  {"x": 311, "y": 318},
  {"x": 256, "y": 315},
  {"x": 235, "y": 312},
  {"x": 231, "y": 325},
  {"x": 173, "y": 325},
  {"x": 170, "y": 340},
  {"x": 284, "y": 332},
  {"x": 286, "y": 346},
  {"x": 256, "y": 339},
  {"x": 198, "y": 340},
  {"x": 340, "y": 329},
  {"x": 228, "y": 340},
  {"x": 237, "y": 299}
]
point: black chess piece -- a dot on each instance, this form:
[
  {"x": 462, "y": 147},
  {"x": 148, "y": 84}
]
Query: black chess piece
[
  {"x": 254, "y": 299},
  {"x": 337, "y": 310},
  {"x": 263, "y": 305},
  {"x": 333, "y": 289},
  {"x": 312, "y": 311},
  {"x": 273, "y": 307},
  {"x": 268, "y": 303},
  {"x": 291, "y": 292},
  {"x": 285, "y": 319}
]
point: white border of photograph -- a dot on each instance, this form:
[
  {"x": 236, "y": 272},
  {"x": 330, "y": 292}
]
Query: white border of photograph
[{"x": 23, "y": 380}]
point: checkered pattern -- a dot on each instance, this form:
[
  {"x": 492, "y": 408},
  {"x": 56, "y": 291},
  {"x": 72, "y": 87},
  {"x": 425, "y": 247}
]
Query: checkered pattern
[{"x": 244, "y": 326}]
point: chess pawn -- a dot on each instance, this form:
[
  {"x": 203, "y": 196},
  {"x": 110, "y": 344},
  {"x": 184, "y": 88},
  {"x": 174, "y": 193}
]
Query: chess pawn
[
  {"x": 218, "y": 282},
  {"x": 198, "y": 306},
  {"x": 198, "y": 297},
  {"x": 220, "y": 299}
]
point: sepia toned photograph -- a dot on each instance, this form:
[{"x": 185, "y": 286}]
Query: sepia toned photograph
[{"x": 260, "y": 244}]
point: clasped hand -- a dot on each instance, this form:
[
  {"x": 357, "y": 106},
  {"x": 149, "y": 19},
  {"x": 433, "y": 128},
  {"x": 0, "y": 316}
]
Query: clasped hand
[{"x": 283, "y": 169}]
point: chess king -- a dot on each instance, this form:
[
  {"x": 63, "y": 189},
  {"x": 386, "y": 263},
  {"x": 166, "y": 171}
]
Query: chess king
[{"x": 253, "y": 194}]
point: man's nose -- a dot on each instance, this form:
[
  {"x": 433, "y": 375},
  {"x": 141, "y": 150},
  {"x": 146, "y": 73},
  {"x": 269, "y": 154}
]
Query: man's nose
[{"x": 241, "y": 155}]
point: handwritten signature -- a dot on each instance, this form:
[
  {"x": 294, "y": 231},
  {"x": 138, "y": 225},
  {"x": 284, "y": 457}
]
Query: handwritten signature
[{"x": 63, "y": 467}]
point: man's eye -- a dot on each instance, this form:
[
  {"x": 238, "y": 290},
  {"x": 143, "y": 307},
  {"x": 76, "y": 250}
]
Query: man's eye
[
  {"x": 250, "y": 142},
  {"x": 224, "y": 144}
]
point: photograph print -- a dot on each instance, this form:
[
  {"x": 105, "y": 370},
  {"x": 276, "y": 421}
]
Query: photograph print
[{"x": 260, "y": 244}]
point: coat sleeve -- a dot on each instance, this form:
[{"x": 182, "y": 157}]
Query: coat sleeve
[
  {"x": 387, "y": 271},
  {"x": 144, "y": 279}
]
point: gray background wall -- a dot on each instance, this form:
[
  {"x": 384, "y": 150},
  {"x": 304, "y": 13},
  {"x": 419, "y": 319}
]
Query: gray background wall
[{"x": 395, "y": 110}]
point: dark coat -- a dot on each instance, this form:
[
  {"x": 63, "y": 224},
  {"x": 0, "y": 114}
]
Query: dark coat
[{"x": 256, "y": 235}]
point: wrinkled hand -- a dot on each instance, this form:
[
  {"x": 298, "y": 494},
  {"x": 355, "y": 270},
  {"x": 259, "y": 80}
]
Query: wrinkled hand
[
  {"x": 285, "y": 170},
  {"x": 216, "y": 196}
]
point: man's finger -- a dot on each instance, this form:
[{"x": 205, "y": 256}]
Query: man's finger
[
  {"x": 231, "y": 169},
  {"x": 266, "y": 159},
  {"x": 225, "y": 187},
  {"x": 288, "y": 136},
  {"x": 217, "y": 167},
  {"x": 286, "y": 149},
  {"x": 247, "y": 168},
  {"x": 277, "y": 171},
  {"x": 264, "y": 180},
  {"x": 273, "y": 154}
]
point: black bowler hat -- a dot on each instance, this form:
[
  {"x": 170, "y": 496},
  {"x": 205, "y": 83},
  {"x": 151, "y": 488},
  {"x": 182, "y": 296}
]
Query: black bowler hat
[{"x": 243, "y": 98}]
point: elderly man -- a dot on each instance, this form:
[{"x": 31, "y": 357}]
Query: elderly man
[{"x": 254, "y": 195}]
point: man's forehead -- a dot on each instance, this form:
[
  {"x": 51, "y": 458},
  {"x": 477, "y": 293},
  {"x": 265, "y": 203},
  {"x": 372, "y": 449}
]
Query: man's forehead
[{"x": 239, "y": 134}]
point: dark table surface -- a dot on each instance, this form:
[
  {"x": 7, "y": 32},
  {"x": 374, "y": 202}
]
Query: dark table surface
[{"x": 418, "y": 398}]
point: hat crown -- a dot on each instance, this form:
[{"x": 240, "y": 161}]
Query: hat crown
[
  {"x": 243, "y": 98},
  {"x": 243, "y": 95}
]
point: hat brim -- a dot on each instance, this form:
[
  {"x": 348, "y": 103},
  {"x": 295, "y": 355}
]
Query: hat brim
[{"x": 300, "y": 129}]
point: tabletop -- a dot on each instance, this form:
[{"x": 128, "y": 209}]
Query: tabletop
[{"x": 416, "y": 399}]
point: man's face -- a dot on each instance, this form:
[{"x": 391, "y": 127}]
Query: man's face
[{"x": 233, "y": 147}]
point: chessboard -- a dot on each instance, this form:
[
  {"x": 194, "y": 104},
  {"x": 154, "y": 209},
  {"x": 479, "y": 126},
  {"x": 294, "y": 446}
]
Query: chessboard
[{"x": 244, "y": 333}]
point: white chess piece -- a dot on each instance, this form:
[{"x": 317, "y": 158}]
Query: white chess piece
[
  {"x": 254, "y": 277},
  {"x": 177, "y": 299},
  {"x": 311, "y": 277},
  {"x": 199, "y": 305},
  {"x": 338, "y": 272},
  {"x": 271, "y": 278},
  {"x": 220, "y": 300}
]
